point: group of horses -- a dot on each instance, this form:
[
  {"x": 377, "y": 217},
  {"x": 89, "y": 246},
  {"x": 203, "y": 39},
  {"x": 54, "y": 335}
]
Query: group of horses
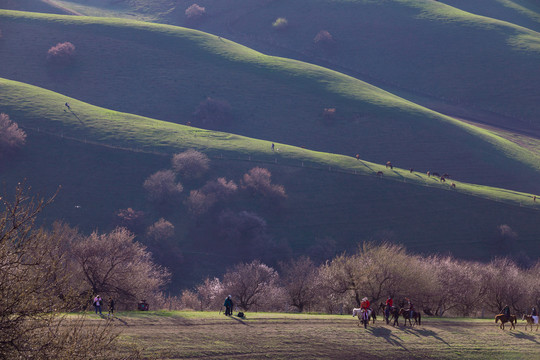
[
  {"x": 390, "y": 314},
  {"x": 512, "y": 319}
]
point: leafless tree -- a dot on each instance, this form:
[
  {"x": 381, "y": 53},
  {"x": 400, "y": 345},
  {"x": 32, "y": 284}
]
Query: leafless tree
[
  {"x": 61, "y": 53},
  {"x": 300, "y": 280},
  {"x": 251, "y": 284},
  {"x": 160, "y": 230},
  {"x": 258, "y": 181},
  {"x": 114, "y": 265}
]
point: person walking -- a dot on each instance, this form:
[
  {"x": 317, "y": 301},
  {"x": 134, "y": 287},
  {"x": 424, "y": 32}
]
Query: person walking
[
  {"x": 111, "y": 307},
  {"x": 228, "y": 306},
  {"x": 97, "y": 304}
]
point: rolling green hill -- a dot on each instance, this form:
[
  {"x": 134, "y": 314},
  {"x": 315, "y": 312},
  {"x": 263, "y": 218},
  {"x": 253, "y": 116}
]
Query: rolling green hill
[
  {"x": 453, "y": 56},
  {"x": 170, "y": 70},
  {"x": 101, "y": 158}
]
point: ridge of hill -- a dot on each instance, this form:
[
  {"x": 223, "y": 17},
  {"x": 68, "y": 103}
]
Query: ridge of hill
[{"x": 169, "y": 70}]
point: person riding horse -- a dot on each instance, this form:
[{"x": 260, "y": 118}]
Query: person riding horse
[
  {"x": 365, "y": 306},
  {"x": 389, "y": 304},
  {"x": 506, "y": 311}
]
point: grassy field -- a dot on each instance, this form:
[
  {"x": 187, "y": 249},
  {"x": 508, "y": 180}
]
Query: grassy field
[{"x": 209, "y": 335}]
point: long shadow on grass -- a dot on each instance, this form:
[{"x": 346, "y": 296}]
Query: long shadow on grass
[
  {"x": 522, "y": 335},
  {"x": 239, "y": 320},
  {"x": 425, "y": 333},
  {"x": 387, "y": 335}
]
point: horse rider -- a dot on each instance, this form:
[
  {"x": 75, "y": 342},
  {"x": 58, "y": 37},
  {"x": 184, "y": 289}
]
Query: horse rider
[
  {"x": 534, "y": 314},
  {"x": 389, "y": 305},
  {"x": 506, "y": 311},
  {"x": 411, "y": 308},
  {"x": 365, "y": 306}
]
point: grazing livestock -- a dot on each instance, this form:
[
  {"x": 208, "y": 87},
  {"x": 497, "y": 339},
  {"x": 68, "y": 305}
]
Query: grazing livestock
[
  {"x": 379, "y": 173},
  {"x": 411, "y": 170},
  {"x": 453, "y": 185},
  {"x": 443, "y": 179},
  {"x": 389, "y": 165}
]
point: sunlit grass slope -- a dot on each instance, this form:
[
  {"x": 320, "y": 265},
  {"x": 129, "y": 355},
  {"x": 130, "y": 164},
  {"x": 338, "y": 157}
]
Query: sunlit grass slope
[
  {"x": 42, "y": 110},
  {"x": 164, "y": 72}
]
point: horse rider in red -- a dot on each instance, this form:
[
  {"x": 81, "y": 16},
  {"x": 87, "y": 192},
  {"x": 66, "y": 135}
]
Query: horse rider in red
[{"x": 365, "y": 306}]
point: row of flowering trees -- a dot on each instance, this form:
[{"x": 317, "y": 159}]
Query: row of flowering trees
[{"x": 438, "y": 285}]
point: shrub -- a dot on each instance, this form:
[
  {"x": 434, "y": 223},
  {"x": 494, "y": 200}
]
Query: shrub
[
  {"x": 258, "y": 181},
  {"x": 323, "y": 37},
  {"x": 220, "y": 188},
  {"x": 195, "y": 12},
  {"x": 162, "y": 186},
  {"x": 213, "y": 113},
  {"x": 61, "y": 53},
  {"x": 198, "y": 202},
  {"x": 11, "y": 136},
  {"x": 191, "y": 163},
  {"x": 280, "y": 23},
  {"x": 160, "y": 230}
]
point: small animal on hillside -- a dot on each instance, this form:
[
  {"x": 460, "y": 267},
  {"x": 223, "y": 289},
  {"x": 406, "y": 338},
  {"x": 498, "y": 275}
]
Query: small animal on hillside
[
  {"x": 389, "y": 165},
  {"x": 411, "y": 170},
  {"x": 534, "y": 198},
  {"x": 428, "y": 174},
  {"x": 357, "y": 156},
  {"x": 453, "y": 185},
  {"x": 379, "y": 173},
  {"x": 443, "y": 179}
]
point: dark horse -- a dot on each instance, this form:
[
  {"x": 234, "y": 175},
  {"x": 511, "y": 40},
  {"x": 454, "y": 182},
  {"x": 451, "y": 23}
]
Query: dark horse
[
  {"x": 390, "y": 313},
  {"x": 504, "y": 319},
  {"x": 407, "y": 316}
]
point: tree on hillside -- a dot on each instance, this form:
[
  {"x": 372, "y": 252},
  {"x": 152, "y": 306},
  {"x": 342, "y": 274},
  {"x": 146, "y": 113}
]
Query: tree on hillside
[
  {"x": 280, "y": 23},
  {"x": 190, "y": 163},
  {"x": 195, "y": 12},
  {"x": 162, "y": 186},
  {"x": 130, "y": 219},
  {"x": 323, "y": 37},
  {"x": 201, "y": 201},
  {"x": 11, "y": 136},
  {"x": 159, "y": 231},
  {"x": 113, "y": 264},
  {"x": 258, "y": 181},
  {"x": 36, "y": 288},
  {"x": 213, "y": 114},
  {"x": 61, "y": 53}
]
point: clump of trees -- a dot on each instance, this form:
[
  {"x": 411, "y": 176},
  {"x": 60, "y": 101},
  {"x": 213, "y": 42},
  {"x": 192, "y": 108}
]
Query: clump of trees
[
  {"x": 61, "y": 53},
  {"x": 323, "y": 37},
  {"x": 162, "y": 186},
  {"x": 11, "y": 136},
  {"x": 438, "y": 285}
]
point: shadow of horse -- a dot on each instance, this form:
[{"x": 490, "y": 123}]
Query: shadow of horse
[{"x": 387, "y": 335}]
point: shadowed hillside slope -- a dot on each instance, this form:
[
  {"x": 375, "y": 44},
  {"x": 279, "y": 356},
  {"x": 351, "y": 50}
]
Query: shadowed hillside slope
[
  {"x": 165, "y": 72},
  {"x": 102, "y": 157}
]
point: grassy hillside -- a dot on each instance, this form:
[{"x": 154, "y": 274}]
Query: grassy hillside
[
  {"x": 455, "y": 52},
  {"x": 170, "y": 70},
  {"x": 101, "y": 158}
]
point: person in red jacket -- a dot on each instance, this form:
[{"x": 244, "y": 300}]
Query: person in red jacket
[
  {"x": 389, "y": 305},
  {"x": 364, "y": 305}
]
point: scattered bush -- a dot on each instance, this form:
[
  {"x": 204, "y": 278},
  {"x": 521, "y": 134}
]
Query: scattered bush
[
  {"x": 280, "y": 24},
  {"x": 162, "y": 186},
  {"x": 130, "y": 219},
  {"x": 61, "y": 53},
  {"x": 191, "y": 163},
  {"x": 160, "y": 230},
  {"x": 213, "y": 114},
  {"x": 220, "y": 188},
  {"x": 258, "y": 181},
  {"x": 195, "y": 12},
  {"x": 11, "y": 136},
  {"x": 323, "y": 37}
]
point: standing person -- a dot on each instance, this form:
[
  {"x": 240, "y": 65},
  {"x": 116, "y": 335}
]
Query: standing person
[
  {"x": 111, "y": 307},
  {"x": 228, "y": 306},
  {"x": 97, "y": 304}
]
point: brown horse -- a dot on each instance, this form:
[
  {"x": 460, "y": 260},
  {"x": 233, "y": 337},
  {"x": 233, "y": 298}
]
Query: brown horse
[
  {"x": 504, "y": 319},
  {"x": 530, "y": 321},
  {"x": 407, "y": 316}
]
